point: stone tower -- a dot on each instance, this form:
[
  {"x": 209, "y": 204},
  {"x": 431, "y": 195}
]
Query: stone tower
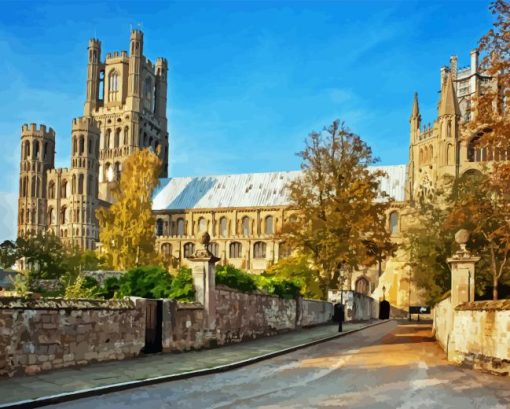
[
  {"x": 126, "y": 94},
  {"x": 84, "y": 182},
  {"x": 37, "y": 157}
]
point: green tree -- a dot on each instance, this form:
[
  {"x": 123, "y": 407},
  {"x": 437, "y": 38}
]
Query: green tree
[
  {"x": 44, "y": 255},
  {"x": 338, "y": 202},
  {"x": 298, "y": 268},
  {"x": 127, "y": 229},
  {"x": 8, "y": 255},
  {"x": 146, "y": 282}
]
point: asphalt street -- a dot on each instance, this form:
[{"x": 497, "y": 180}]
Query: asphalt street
[{"x": 393, "y": 365}]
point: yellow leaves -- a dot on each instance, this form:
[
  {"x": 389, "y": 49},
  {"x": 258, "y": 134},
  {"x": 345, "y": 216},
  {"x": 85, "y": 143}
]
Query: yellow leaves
[{"x": 127, "y": 226}]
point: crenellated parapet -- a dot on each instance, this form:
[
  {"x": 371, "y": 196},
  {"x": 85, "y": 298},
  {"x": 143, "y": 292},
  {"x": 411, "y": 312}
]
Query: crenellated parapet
[
  {"x": 35, "y": 130},
  {"x": 85, "y": 124}
]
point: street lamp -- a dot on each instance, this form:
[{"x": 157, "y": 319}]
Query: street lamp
[
  {"x": 384, "y": 293},
  {"x": 409, "y": 293}
]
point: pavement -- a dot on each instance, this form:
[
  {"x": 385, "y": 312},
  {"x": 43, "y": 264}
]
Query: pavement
[
  {"x": 388, "y": 366},
  {"x": 71, "y": 383}
]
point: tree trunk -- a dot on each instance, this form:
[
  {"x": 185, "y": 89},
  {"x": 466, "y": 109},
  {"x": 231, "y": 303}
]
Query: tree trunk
[{"x": 495, "y": 288}]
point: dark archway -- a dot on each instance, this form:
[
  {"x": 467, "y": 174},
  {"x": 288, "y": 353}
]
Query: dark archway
[{"x": 384, "y": 310}]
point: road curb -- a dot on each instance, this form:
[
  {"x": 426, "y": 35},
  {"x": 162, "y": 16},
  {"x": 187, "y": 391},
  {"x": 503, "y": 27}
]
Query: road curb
[{"x": 101, "y": 390}]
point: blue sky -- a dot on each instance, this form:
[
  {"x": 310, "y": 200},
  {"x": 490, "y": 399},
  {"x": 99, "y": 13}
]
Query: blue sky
[{"x": 247, "y": 80}]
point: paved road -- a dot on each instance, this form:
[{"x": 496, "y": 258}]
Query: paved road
[{"x": 388, "y": 366}]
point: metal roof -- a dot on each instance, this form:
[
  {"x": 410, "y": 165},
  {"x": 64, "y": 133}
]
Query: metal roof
[{"x": 247, "y": 189}]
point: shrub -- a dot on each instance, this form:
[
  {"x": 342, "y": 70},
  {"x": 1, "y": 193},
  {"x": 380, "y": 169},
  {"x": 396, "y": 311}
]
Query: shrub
[
  {"x": 235, "y": 278},
  {"x": 146, "y": 282},
  {"x": 79, "y": 287},
  {"x": 182, "y": 286},
  {"x": 110, "y": 287},
  {"x": 281, "y": 287}
]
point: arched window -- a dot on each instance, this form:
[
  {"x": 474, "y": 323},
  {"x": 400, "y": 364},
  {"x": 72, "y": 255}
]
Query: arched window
[
  {"x": 235, "y": 250},
  {"x": 474, "y": 151},
  {"x": 73, "y": 185},
  {"x": 148, "y": 94},
  {"x": 362, "y": 286},
  {"x": 113, "y": 85},
  {"x": 33, "y": 187},
  {"x": 394, "y": 222},
  {"x": 75, "y": 146},
  {"x": 246, "y": 226},
  {"x": 51, "y": 190},
  {"x": 51, "y": 216},
  {"x": 223, "y": 227},
  {"x": 63, "y": 189},
  {"x": 259, "y": 250},
  {"x": 269, "y": 225},
  {"x": 63, "y": 215},
  {"x": 214, "y": 248},
  {"x": 80, "y": 184},
  {"x": 27, "y": 149},
  {"x": 107, "y": 139},
  {"x": 180, "y": 227},
  {"x": 116, "y": 140},
  {"x": 202, "y": 225},
  {"x": 126, "y": 136},
  {"x": 36, "y": 150},
  {"x": 159, "y": 227},
  {"x": 82, "y": 145},
  {"x": 189, "y": 249},
  {"x": 166, "y": 250},
  {"x": 284, "y": 250}
]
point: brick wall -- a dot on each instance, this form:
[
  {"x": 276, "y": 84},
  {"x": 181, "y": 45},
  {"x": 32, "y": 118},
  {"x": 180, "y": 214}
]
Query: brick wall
[{"x": 42, "y": 335}]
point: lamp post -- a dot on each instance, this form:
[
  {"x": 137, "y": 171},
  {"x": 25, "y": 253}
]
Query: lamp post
[
  {"x": 409, "y": 301},
  {"x": 384, "y": 293}
]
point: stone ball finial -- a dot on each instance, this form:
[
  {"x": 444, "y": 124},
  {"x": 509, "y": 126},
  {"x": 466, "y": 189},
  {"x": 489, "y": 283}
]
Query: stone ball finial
[
  {"x": 205, "y": 239},
  {"x": 462, "y": 236}
]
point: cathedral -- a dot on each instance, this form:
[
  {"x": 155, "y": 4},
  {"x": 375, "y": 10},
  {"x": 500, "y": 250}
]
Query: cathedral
[{"x": 125, "y": 109}]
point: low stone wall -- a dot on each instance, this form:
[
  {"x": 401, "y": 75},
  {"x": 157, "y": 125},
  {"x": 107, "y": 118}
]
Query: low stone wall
[
  {"x": 242, "y": 316},
  {"x": 359, "y": 307},
  {"x": 183, "y": 326},
  {"x": 314, "y": 312},
  {"x": 482, "y": 335},
  {"x": 476, "y": 334},
  {"x": 37, "y": 335}
]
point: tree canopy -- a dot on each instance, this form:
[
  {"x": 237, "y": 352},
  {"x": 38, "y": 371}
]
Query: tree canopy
[
  {"x": 127, "y": 227},
  {"x": 339, "y": 203}
]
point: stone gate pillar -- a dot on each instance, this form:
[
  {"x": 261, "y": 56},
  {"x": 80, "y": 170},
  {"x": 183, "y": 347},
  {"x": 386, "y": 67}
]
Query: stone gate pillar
[
  {"x": 462, "y": 265},
  {"x": 204, "y": 280}
]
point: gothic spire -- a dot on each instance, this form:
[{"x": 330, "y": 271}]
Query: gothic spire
[
  {"x": 448, "y": 104},
  {"x": 416, "y": 108}
]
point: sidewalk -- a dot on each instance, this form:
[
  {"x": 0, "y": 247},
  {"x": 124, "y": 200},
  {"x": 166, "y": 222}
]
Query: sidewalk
[{"x": 147, "y": 367}]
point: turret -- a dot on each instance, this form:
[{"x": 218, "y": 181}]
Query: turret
[
  {"x": 135, "y": 68},
  {"x": 136, "y": 43},
  {"x": 37, "y": 157},
  {"x": 93, "y": 74},
  {"x": 448, "y": 121}
]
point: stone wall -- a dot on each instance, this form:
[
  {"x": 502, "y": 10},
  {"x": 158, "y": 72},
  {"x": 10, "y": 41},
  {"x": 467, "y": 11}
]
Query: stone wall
[
  {"x": 476, "y": 334},
  {"x": 39, "y": 335},
  {"x": 357, "y": 307},
  {"x": 242, "y": 316},
  {"x": 314, "y": 312},
  {"x": 183, "y": 326}
]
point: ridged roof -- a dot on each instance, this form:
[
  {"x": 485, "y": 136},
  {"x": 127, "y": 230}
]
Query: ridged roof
[{"x": 247, "y": 189}]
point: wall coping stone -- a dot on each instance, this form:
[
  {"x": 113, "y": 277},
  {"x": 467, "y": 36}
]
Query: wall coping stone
[
  {"x": 15, "y": 303},
  {"x": 499, "y": 305},
  {"x": 189, "y": 306}
]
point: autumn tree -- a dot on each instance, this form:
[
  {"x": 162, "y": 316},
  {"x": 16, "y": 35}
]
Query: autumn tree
[
  {"x": 339, "y": 204},
  {"x": 127, "y": 230},
  {"x": 486, "y": 207}
]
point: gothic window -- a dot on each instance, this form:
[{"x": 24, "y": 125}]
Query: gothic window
[
  {"x": 189, "y": 249},
  {"x": 246, "y": 226},
  {"x": 223, "y": 227},
  {"x": 362, "y": 286},
  {"x": 27, "y": 149},
  {"x": 101, "y": 86},
  {"x": 159, "y": 227},
  {"x": 45, "y": 150},
  {"x": 284, "y": 250},
  {"x": 180, "y": 227},
  {"x": 116, "y": 140},
  {"x": 113, "y": 85},
  {"x": 214, "y": 248},
  {"x": 51, "y": 190},
  {"x": 73, "y": 185},
  {"x": 80, "y": 184},
  {"x": 82, "y": 145},
  {"x": 75, "y": 149},
  {"x": 126, "y": 136},
  {"x": 148, "y": 94},
  {"x": 36, "y": 150},
  {"x": 259, "y": 250},
  {"x": 269, "y": 225},
  {"x": 107, "y": 139},
  {"x": 449, "y": 130},
  {"x": 394, "y": 222},
  {"x": 51, "y": 215},
  {"x": 166, "y": 249},
  {"x": 450, "y": 154},
  {"x": 33, "y": 187},
  {"x": 235, "y": 249},
  {"x": 202, "y": 225},
  {"x": 63, "y": 215},
  {"x": 63, "y": 189}
]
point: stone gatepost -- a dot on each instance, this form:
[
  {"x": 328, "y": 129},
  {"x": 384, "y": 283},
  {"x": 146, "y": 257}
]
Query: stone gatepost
[
  {"x": 204, "y": 281},
  {"x": 462, "y": 265}
]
